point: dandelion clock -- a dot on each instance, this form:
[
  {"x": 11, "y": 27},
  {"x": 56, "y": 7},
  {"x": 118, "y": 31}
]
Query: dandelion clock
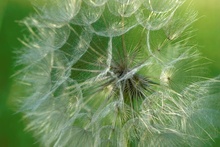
[{"x": 115, "y": 73}]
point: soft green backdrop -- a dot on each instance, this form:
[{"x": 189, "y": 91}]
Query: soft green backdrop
[{"x": 12, "y": 132}]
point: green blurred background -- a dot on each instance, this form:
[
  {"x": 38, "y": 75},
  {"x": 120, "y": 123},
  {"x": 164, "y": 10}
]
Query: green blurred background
[{"x": 12, "y": 132}]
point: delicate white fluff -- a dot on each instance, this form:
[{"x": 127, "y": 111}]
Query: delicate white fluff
[{"x": 115, "y": 73}]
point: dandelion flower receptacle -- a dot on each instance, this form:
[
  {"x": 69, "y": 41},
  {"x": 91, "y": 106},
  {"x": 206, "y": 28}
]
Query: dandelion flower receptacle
[{"x": 116, "y": 73}]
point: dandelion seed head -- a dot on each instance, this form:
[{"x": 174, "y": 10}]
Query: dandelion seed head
[{"x": 117, "y": 73}]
